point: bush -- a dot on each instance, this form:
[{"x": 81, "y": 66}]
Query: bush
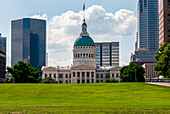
[
  {"x": 48, "y": 80},
  {"x": 108, "y": 80}
]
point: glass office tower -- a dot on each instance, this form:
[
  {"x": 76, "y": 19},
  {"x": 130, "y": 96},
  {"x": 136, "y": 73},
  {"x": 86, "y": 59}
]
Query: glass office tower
[
  {"x": 148, "y": 25},
  {"x": 148, "y": 32},
  {"x": 2, "y": 42},
  {"x": 28, "y": 41}
]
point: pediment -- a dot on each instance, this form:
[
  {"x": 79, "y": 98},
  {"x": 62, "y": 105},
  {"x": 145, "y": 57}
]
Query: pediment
[
  {"x": 115, "y": 69},
  {"x": 50, "y": 68},
  {"x": 83, "y": 67}
]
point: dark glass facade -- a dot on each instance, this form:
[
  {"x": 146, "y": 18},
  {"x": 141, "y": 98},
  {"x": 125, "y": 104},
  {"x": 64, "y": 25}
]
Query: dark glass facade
[
  {"x": 2, "y": 42},
  {"x": 148, "y": 24},
  {"x": 28, "y": 41},
  {"x": 2, "y": 64}
]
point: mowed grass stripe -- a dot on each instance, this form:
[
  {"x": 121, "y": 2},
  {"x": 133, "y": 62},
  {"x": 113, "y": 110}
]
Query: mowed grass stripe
[{"x": 72, "y": 98}]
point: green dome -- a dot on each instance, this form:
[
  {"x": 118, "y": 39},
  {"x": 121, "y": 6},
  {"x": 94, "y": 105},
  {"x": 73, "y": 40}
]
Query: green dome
[{"x": 84, "y": 41}]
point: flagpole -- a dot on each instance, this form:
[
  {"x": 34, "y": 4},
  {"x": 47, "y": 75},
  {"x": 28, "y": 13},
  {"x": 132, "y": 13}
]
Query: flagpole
[{"x": 84, "y": 12}]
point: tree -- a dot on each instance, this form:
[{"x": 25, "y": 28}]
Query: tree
[
  {"x": 49, "y": 80},
  {"x": 163, "y": 57},
  {"x": 24, "y": 73},
  {"x": 127, "y": 73}
]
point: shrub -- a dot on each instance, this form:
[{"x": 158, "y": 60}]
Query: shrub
[
  {"x": 49, "y": 80},
  {"x": 108, "y": 80}
]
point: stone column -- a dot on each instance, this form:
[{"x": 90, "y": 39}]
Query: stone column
[
  {"x": 80, "y": 77},
  {"x": 110, "y": 75},
  {"x": 90, "y": 76},
  {"x": 76, "y": 76},
  {"x": 71, "y": 77},
  {"x": 94, "y": 77},
  {"x": 85, "y": 77}
]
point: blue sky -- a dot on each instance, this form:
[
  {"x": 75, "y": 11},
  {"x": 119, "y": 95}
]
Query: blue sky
[{"x": 15, "y": 9}]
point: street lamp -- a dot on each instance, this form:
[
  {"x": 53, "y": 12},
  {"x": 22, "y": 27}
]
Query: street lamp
[{"x": 135, "y": 75}]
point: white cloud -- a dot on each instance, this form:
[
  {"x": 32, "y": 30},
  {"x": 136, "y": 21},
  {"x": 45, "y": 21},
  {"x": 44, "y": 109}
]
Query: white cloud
[{"x": 64, "y": 29}]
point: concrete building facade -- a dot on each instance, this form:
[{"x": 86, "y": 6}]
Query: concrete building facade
[
  {"x": 107, "y": 54},
  {"x": 149, "y": 69}
]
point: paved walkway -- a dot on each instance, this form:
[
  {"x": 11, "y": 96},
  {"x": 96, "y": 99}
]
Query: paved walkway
[{"x": 162, "y": 84}]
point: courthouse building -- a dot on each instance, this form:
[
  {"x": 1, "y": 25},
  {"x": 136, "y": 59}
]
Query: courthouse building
[{"x": 84, "y": 68}]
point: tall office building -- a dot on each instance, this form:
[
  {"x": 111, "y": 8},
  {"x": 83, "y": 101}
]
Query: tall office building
[
  {"x": 2, "y": 64},
  {"x": 107, "y": 54},
  {"x": 148, "y": 25},
  {"x": 2, "y": 42},
  {"x": 28, "y": 41},
  {"x": 164, "y": 21},
  {"x": 148, "y": 32}
]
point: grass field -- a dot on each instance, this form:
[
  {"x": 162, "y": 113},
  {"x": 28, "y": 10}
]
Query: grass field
[{"x": 84, "y": 98}]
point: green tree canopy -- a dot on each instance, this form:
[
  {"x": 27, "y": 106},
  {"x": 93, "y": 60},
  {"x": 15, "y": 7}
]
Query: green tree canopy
[
  {"x": 24, "y": 73},
  {"x": 127, "y": 73},
  {"x": 163, "y": 58}
]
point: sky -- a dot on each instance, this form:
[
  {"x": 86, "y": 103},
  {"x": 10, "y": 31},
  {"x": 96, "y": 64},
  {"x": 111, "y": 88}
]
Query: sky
[{"x": 107, "y": 20}]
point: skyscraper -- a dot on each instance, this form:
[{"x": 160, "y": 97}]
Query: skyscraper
[
  {"x": 2, "y": 64},
  {"x": 107, "y": 54},
  {"x": 148, "y": 32},
  {"x": 2, "y": 42},
  {"x": 28, "y": 41},
  {"x": 164, "y": 21},
  {"x": 148, "y": 25}
]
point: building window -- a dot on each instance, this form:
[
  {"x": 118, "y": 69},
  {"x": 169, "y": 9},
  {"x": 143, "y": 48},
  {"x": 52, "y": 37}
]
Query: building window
[
  {"x": 66, "y": 81},
  {"x": 55, "y": 76},
  {"x": 78, "y": 74},
  {"x": 70, "y": 75},
  {"x": 73, "y": 74},
  {"x": 60, "y": 75},
  {"x": 66, "y": 75},
  {"x": 97, "y": 81},
  {"x": 117, "y": 75},
  {"x": 101, "y": 75},
  {"x": 107, "y": 75},
  {"x": 50, "y": 75},
  {"x": 113, "y": 75},
  {"x": 97, "y": 75},
  {"x": 87, "y": 74},
  {"x": 92, "y": 74},
  {"x": 45, "y": 75}
]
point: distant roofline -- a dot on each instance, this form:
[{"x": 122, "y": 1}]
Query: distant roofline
[
  {"x": 104, "y": 42},
  {"x": 28, "y": 18}
]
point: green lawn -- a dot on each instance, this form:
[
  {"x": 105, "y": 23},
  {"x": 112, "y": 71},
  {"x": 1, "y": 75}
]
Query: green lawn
[{"x": 84, "y": 98}]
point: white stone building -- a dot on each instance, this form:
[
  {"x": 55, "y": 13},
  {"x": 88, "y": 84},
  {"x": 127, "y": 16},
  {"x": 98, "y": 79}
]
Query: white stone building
[{"x": 83, "y": 69}]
